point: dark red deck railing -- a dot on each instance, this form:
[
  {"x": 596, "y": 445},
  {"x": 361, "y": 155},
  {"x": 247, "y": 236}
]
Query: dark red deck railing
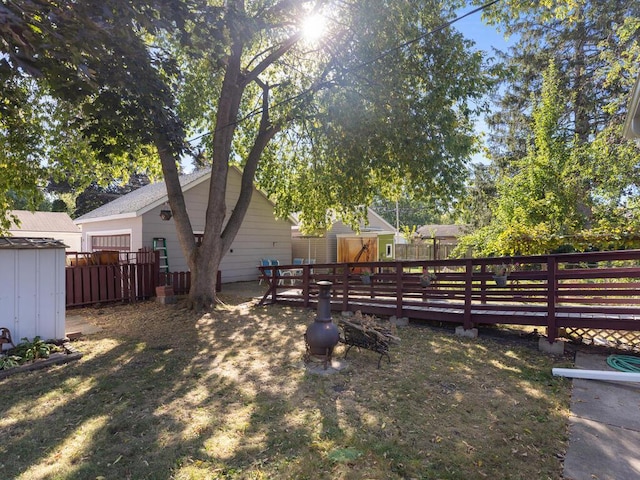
[{"x": 599, "y": 290}]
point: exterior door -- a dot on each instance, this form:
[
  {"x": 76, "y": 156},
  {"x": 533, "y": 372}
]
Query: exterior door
[{"x": 357, "y": 249}]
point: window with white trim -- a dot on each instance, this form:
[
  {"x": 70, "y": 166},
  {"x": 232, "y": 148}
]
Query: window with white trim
[{"x": 122, "y": 243}]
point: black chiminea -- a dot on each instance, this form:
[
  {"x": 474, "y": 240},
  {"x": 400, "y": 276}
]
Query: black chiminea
[{"x": 322, "y": 335}]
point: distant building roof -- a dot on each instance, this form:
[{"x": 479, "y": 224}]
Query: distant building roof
[
  {"x": 48, "y": 222},
  {"x": 385, "y": 226},
  {"x": 441, "y": 231},
  {"x": 143, "y": 199}
]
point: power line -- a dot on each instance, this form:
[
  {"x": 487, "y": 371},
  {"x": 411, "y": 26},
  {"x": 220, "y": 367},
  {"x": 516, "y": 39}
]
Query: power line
[
  {"x": 386, "y": 53},
  {"x": 437, "y": 29}
]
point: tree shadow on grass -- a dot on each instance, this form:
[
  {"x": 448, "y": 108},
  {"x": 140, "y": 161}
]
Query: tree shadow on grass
[
  {"x": 226, "y": 395},
  {"x": 142, "y": 405}
]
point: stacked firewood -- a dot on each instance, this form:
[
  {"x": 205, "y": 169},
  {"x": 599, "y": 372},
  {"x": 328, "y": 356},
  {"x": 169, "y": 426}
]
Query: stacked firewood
[{"x": 369, "y": 325}]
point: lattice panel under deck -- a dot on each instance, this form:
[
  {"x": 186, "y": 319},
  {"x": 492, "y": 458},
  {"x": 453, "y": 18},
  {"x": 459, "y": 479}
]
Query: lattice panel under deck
[{"x": 621, "y": 339}]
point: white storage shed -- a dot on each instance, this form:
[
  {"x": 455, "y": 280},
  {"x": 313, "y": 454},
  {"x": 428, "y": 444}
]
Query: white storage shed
[{"x": 32, "y": 287}]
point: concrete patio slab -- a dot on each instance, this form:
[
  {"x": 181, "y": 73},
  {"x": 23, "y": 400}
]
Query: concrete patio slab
[{"x": 604, "y": 426}]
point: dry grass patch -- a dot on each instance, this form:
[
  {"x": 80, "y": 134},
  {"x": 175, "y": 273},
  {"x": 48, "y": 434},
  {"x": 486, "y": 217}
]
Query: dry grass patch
[{"x": 162, "y": 392}]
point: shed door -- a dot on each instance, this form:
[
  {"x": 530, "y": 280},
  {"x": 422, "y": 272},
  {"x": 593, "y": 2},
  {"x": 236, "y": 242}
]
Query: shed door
[{"x": 357, "y": 249}]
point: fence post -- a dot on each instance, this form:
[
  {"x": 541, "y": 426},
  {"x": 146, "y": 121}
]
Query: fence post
[
  {"x": 399, "y": 299},
  {"x": 468, "y": 290},
  {"x": 156, "y": 271},
  {"x": 345, "y": 287},
  {"x": 306, "y": 281},
  {"x": 552, "y": 289},
  {"x": 483, "y": 284}
]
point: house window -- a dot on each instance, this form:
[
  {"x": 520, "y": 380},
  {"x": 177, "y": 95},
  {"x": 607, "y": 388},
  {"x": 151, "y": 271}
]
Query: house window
[
  {"x": 121, "y": 243},
  {"x": 198, "y": 238},
  {"x": 389, "y": 250}
]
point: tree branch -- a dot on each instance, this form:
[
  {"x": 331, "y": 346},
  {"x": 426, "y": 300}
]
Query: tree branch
[
  {"x": 270, "y": 59},
  {"x": 184, "y": 229},
  {"x": 265, "y": 134}
]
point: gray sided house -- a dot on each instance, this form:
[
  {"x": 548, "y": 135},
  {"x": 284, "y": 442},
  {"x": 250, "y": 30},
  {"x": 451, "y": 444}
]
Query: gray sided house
[
  {"x": 56, "y": 225},
  {"x": 132, "y": 221},
  {"x": 324, "y": 248}
]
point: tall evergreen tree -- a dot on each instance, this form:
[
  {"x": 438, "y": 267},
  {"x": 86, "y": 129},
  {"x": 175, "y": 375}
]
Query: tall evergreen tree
[
  {"x": 568, "y": 174},
  {"x": 595, "y": 49}
]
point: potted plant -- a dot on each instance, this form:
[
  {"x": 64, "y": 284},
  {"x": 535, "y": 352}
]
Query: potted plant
[
  {"x": 365, "y": 277},
  {"x": 426, "y": 277},
  {"x": 500, "y": 274}
]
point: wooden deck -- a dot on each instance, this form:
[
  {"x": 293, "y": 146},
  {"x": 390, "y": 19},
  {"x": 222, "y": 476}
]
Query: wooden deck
[{"x": 599, "y": 290}]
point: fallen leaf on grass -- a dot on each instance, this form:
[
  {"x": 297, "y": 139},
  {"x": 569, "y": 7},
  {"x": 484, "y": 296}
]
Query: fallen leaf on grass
[{"x": 344, "y": 454}]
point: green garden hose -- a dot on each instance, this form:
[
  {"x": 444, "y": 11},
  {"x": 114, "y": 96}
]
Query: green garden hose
[{"x": 624, "y": 363}]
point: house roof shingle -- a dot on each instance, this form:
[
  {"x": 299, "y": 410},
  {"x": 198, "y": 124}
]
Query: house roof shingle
[
  {"x": 20, "y": 243},
  {"x": 440, "y": 231},
  {"x": 139, "y": 201}
]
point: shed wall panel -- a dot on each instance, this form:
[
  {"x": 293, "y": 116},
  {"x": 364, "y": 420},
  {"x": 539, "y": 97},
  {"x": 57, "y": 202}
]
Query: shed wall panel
[
  {"x": 32, "y": 292},
  {"x": 27, "y": 293},
  {"x": 8, "y": 296}
]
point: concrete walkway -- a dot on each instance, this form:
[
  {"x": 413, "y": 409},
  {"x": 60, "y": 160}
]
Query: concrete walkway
[
  {"x": 75, "y": 325},
  {"x": 604, "y": 427}
]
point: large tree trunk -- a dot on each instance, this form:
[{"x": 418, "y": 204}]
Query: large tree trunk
[
  {"x": 204, "y": 261},
  {"x": 581, "y": 112},
  {"x": 184, "y": 229},
  {"x": 207, "y": 258}
]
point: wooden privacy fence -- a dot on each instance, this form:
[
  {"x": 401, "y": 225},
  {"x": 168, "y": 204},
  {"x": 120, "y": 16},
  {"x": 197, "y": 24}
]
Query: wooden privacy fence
[
  {"x": 181, "y": 281},
  {"x": 108, "y": 276},
  {"x": 111, "y": 276},
  {"x": 424, "y": 251},
  {"x": 599, "y": 290}
]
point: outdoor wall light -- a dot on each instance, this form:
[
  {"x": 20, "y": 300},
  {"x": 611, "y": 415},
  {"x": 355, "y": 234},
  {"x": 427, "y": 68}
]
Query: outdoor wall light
[{"x": 165, "y": 214}]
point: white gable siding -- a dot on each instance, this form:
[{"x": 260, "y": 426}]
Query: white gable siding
[
  {"x": 260, "y": 236},
  {"x": 131, "y": 226},
  {"x": 379, "y": 223},
  {"x": 154, "y": 227}
]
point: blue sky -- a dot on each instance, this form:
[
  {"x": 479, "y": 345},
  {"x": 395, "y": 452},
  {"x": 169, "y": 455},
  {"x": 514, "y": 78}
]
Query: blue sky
[{"x": 486, "y": 38}]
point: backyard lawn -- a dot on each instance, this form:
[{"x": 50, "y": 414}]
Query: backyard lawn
[{"x": 165, "y": 393}]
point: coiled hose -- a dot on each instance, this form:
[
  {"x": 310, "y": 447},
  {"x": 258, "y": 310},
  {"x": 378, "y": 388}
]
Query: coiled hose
[{"x": 624, "y": 363}]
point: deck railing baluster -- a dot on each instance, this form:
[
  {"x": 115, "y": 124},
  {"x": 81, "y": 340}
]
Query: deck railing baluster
[{"x": 596, "y": 290}]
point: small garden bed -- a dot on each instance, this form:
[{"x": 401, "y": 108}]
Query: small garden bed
[{"x": 34, "y": 355}]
